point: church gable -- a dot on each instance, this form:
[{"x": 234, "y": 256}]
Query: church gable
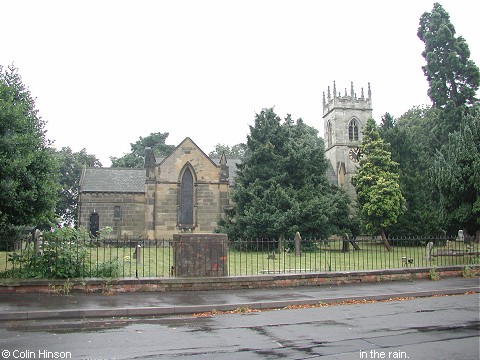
[{"x": 188, "y": 154}]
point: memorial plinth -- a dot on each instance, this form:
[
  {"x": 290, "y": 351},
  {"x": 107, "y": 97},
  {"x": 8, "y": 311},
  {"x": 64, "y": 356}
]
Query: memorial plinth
[{"x": 200, "y": 255}]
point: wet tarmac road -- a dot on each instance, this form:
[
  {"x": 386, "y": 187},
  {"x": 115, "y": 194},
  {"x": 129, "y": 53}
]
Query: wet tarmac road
[{"x": 444, "y": 327}]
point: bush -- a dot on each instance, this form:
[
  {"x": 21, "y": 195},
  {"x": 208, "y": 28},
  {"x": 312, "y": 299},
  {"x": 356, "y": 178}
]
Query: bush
[
  {"x": 106, "y": 269},
  {"x": 64, "y": 254}
]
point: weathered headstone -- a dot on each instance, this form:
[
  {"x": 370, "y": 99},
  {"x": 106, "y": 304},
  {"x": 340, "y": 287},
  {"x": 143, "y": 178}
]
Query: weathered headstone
[
  {"x": 138, "y": 254},
  {"x": 298, "y": 240},
  {"x": 281, "y": 243},
  {"x": 36, "y": 240},
  {"x": 460, "y": 236},
  {"x": 428, "y": 251}
]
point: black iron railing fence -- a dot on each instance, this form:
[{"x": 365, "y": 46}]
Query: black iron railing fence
[{"x": 156, "y": 258}]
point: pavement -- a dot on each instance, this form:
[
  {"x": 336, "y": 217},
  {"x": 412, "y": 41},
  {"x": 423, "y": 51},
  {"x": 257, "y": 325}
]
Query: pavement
[{"x": 136, "y": 304}]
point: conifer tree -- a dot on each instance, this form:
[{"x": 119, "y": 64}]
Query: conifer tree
[
  {"x": 377, "y": 184},
  {"x": 456, "y": 177},
  {"x": 452, "y": 77},
  {"x": 409, "y": 146},
  {"x": 281, "y": 186}
]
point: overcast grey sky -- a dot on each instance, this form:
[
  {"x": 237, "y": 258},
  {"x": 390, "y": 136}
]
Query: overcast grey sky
[{"x": 105, "y": 73}]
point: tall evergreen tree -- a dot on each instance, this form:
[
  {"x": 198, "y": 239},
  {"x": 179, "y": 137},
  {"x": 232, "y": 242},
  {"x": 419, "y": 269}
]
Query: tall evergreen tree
[
  {"x": 408, "y": 137},
  {"x": 453, "y": 78},
  {"x": 377, "y": 184},
  {"x": 456, "y": 174},
  {"x": 281, "y": 186}
]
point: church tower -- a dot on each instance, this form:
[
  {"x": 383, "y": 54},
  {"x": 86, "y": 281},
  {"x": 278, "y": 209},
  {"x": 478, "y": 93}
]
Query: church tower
[{"x": 343, "y": 120}]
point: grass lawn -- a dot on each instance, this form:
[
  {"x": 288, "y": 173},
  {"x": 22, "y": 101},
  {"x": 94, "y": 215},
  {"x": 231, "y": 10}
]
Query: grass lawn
[{"x": 158, "y": 261}]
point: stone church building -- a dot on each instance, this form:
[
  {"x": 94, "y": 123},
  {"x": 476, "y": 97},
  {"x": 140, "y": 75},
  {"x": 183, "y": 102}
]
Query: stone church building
[
  {"x": 188, "y": 192},
  {"x": 185, "y": 191}
]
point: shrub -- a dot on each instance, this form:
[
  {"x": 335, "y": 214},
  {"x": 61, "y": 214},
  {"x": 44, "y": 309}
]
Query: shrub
[{"x": 64, "y": 254}]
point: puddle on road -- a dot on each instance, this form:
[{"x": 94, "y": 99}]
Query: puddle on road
[
  {"x": 105, "y": 324},
  {"x": 471, "y": 325}
]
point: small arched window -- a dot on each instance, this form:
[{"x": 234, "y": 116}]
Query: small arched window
[
  {"x": 353, "y": 130},
  {"x": 329, "y": 134},
  {"x": 94, "y": 223}
]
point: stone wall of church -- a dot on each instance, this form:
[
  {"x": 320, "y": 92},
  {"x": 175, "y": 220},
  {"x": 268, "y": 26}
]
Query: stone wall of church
[
  {"x": 127, "y": 221},
  {"x": 210, "y": 205},
  {"x": 210, "y": 194},
  {"x": 211, "y": 199},
  {"x": 166, "y": 207}
]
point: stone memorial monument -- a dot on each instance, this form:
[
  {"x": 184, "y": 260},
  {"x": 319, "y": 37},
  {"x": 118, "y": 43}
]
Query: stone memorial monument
[{"x": 196, "y": 255}]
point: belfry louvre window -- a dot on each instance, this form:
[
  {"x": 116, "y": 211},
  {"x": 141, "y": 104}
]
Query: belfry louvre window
[
  {"x": 329, "y": 134},
  {"x": 185, "y": 216},
  {"x": 353, "y": 130}
]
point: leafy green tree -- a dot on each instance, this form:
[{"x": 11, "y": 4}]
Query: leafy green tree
[
  {"x": 28, "y": 170},
  {"x": 236, "y": 151},
  {"x": 136, "y": 158},
  {"x": 71, "y": 166},
  {"x": 377, "y": 184},
  {"x": 456, "y": 174},
  {"x": 453, "y": 78},
  {"x": 281, "y": 186}
]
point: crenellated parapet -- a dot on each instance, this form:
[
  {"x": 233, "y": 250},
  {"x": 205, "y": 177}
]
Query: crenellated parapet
[{"x": 348, "y": 100}]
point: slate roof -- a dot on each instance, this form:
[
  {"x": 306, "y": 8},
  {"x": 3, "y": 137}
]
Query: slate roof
[
  {"x": 126, "y": 180},
  {"x": 117, "y": 180}
]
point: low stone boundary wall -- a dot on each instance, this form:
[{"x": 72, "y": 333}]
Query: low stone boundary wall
[{"x": 123, "y": 285}]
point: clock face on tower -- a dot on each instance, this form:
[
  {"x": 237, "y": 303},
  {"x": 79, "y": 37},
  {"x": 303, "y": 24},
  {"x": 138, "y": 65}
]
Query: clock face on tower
[{"x": 354, "y": 154}]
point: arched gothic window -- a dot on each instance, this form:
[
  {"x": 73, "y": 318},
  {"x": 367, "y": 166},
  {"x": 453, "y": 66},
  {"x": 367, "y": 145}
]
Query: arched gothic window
[
  {"x": 94, "y": 223},
  {"x": 329, "y": 134},
  {"x": 353, "y": 130},
  {"x": 186, "y": 200}
]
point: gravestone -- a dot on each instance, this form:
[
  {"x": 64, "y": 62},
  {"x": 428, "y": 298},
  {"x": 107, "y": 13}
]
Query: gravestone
[
  {"x": 196, "y": 255},
  {"x": 36, "y": 240},
  {"x": 298, "y": 240},
  {"x": 138, "y": 254},
  {"x": 428, "y": 251},
  {"x": 460, "y": 236}
]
